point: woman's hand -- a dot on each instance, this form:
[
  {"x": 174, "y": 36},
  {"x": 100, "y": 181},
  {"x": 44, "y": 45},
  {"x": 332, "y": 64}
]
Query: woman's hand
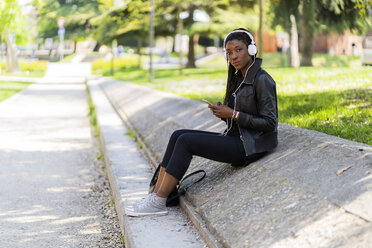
[{"x": 220, "y": 110}]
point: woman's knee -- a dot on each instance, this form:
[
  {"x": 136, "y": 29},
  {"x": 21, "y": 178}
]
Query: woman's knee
[
  {"x": 184, "y": 140},
  {"x": 176, "y": 134}
]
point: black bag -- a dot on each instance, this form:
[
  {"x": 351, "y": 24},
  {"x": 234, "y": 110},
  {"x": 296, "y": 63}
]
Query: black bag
[{"x": 180, "y": 189}]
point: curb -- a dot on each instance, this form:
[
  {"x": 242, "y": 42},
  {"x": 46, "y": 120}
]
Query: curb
[
  {"x": 185, "y": 204},
  {"x": 129, "y": 174}
]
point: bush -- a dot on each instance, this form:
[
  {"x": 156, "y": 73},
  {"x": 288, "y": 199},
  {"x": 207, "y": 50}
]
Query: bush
[
  {"x": 40, "y": 66},
  {"x": 32, "y": 66},
  {"x": 126, "y": 62}
]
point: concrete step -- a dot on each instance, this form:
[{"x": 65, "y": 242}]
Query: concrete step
[
  {"x": 314, "y": 190},
  {"x": 129, "y": 174}
]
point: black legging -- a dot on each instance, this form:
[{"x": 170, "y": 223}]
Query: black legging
[{"x": 183, "y": 144}]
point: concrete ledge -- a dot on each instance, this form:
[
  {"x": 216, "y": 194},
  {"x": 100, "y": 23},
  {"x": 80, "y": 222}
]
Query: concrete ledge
[
  {"x": 129, "y": 175},
  {"x": 314, "y": 190}
]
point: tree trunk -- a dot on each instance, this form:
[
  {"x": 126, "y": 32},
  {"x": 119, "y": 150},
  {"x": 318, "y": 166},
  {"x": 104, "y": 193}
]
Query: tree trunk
[
  {"x": 96, "y": 47},
  {"x": 294, "y": 59},
  {"x": 151, "y": 39},
  {"x": 260, "y": 39},
  {"x": 139, "y": 47},
  {"x": 191, "y": 54},
  {"x": 180, "y": 32},
  {"x": 7, "y": 55},
  {"x": 75, "y": 44},
  {"x": 307, "y": 32},
  {"x": 11, "y": 53},
  {"x": 2, "y": 49}
]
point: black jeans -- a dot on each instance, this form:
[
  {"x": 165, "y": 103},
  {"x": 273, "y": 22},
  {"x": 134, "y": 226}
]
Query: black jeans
[{"x": 183, "y": 144}]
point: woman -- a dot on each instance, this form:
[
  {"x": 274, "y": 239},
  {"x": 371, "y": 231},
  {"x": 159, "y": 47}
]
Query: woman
[{"x": 250, "y": 111}]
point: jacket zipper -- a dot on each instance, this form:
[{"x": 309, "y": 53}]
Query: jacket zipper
[
  {"x": 241, "y": 138},
  {"x": 240, "y": 133},
  {"x": 235, "y": 100}
]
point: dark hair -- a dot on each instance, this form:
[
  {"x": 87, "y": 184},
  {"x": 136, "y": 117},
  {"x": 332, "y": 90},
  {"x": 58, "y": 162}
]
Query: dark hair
[{"x": 231, "y": 75}]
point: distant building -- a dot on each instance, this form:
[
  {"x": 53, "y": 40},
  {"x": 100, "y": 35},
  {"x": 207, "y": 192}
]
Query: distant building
[
  {"x": 336, "y": 44},
  {"x": 269, "y": 42},
  {"x": 367, "y": 49}
]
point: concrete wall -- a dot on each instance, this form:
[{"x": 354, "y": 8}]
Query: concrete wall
[{"x": 314, "y": 190}]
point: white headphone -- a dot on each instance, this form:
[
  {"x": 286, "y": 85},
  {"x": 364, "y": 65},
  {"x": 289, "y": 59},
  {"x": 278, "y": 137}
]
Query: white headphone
[{"x": 252, "y": 49}]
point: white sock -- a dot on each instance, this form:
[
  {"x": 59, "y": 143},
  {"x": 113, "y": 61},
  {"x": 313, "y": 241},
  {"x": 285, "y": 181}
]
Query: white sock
[{"x": 160, "y": 201}]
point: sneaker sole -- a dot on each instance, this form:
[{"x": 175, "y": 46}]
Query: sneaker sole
[{"x": 134, "y": 214}]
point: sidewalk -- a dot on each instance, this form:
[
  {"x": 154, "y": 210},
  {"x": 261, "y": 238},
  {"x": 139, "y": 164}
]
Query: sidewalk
[
  {"x": 46, "y": 155},
  {"x": 130, "y": 174}
]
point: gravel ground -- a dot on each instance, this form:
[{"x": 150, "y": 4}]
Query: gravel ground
[{"x": 101, "y": 197}]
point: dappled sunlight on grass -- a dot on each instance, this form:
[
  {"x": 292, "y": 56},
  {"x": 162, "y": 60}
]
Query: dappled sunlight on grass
[
  {"x": 346, "y": 114},
  {"x": 291, "y": 81},
  {"x": 343, "y": 109}
]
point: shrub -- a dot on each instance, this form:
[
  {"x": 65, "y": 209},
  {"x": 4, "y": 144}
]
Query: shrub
[
  {"x": 125, "y": 62},
  {"x": 31, "y": 66}
]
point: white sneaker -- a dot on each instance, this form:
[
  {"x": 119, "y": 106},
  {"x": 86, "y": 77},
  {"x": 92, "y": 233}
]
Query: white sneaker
[
  {"x": 152, "y": 205},
  {"x": 138, "y": 204}
]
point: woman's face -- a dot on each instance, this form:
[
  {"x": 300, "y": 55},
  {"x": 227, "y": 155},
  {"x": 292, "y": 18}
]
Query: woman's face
[{"x": 237, "y": 55}]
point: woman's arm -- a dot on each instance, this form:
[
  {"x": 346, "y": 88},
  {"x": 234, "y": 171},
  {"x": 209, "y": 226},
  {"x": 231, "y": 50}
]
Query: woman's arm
[{"x": 267, "y": 118}]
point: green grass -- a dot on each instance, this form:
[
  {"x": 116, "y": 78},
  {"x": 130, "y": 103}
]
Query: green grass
[
  {"x": 7, "y": 89},
  {"x": 33, "y": 74},
  {"x": 336, "y": 101},
  {"x": 27, "y": 68},
  {"x": 68, "y": 58},
  {"x": 333, "y": 97}
]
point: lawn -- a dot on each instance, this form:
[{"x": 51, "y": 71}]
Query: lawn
[
  {"x": 335, "y": 97},
  {"x": 33, "y": 74},
  {"x": 27, "y": 68},
  {"x": 7, "y": 89}
]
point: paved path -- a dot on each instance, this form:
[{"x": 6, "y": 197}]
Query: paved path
[
  {"x": 46, "y": 154},
  {"x": 130, "y": 174}
]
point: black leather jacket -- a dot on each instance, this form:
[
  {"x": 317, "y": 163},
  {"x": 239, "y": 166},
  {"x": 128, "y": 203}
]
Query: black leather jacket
[{"x": 256, "y": 101}]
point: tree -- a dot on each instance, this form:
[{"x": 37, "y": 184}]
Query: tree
[
  {"x": 307, "y": 31},
  {"x": 122, "y": 22},
  {"x": 320, "y": 15},
  {"x": 12, "y": 30},
  {"x": 219, "y": 12},
  {"x": 77, "y": 15},
  {"x": 181, "y": 16},
  {"x": 286, "y": 14}
]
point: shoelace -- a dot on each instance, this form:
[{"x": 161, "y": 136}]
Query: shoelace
[{"x": 145, "y": 203}]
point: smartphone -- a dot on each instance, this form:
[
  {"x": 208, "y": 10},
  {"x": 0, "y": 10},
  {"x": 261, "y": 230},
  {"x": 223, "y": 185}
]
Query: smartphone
[{"x": 206, "y": 101}]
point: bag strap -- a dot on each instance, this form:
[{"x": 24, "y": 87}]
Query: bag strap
[
  {"x": 154, "y": 179},
  {"x": 191, "y": 174},
  {"x": 182, "y": 189}
]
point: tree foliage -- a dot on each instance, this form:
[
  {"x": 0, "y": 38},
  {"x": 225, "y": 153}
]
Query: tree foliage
[
  {"x": 339, "y": 15},
  {"x": 321, "y": 15},
  {"x": 114, "y": 22},
  {"x": 12, "y": 19},
  {"x": 77, "y": 15}
]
